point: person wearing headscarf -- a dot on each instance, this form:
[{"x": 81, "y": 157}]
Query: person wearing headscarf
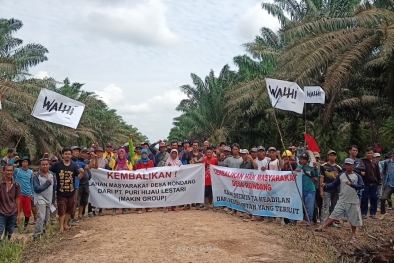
[
  {"x": 119, "y": 162},
  {"x": 173, "y": 160},
  {"x": 144, "y": 163}
]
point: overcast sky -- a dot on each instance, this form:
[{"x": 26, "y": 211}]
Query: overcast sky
[{"x": 135, "y": 54}]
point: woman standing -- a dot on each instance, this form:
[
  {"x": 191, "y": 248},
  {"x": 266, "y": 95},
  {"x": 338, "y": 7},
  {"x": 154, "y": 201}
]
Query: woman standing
[
  {"x": 173, "y": 160},
  {"x": 119, "y": 162},
  {"x": 144, "y": 163}
]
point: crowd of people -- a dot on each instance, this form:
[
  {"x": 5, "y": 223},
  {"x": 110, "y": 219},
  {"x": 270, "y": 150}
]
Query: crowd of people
[{"x": 332, "y": 193}]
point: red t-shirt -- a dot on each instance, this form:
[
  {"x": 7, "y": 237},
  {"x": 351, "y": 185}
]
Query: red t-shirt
[{"x": 213, "y": 161}]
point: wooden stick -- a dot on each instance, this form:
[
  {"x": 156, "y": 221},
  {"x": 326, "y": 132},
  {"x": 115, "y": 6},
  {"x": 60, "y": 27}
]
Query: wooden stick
[
  {"x": 16, "y": 145},
  {"x": 295, "y": 181}
]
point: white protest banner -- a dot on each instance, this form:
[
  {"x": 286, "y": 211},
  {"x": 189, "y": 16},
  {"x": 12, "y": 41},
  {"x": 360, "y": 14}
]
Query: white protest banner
[
  {"x": 154, "y": 187},
  {"x": 314, "y": 94},
  {"x": 59, "y": 109},
  {"x": 285, "y": 95},
  {"x": 268, "y": 193}
]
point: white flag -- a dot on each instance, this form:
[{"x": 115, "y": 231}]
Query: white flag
[
  {"x": 314, "y": 94},
  {"x": 56, "y": 108},
  {"x": 285, "y": 95}
]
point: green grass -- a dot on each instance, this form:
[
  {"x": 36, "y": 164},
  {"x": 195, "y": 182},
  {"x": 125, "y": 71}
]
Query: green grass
[{"x": 11, "y": 251}]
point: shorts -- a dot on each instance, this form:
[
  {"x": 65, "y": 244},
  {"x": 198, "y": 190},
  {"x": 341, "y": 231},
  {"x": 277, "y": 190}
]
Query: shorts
[
  {"x": 352, "y": 210},
  {"x": 25, "y": 205},
  {"x": 65, "y": 205},
  {"x": 83, "y": 195},
  {"x": 208, "y": 191}
]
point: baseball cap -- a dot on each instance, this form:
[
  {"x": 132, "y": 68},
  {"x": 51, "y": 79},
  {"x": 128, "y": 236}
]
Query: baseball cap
[
  {"x": 271, "y": 149},
  {"x": 376, "y": 155},
  {"x": 260, "y": 148},
  {"x": 54, "y": 158},
  {"x": 349, "y": 161},
  {"x": 254, "y": 150},
  {"x": 10, "y": 150},
  {"x": 138, "y": 146},
  {"x": 99, "y": 149},
  {"x": 331, "y": 152},
  {"x": 287, "y": 153},
  {"x": 162, "y": 144},
  {"x": 244, "y": 151},
  {"x": 125, "y": 145},
  {"x": 180, "y": 144},
  {"x": 227, "y": 148},
  {"x": 316, "y": 154},
  {"x": 304, "y": 156},
  {"x": 75, "y": 148},
  {"x": 84, "y": 149},
  {"x": 108, "y": 145},
  {"x": 16, "y": 153}
]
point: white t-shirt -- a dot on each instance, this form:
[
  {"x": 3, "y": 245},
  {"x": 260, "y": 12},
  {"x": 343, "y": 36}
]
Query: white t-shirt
[
  {"x": 261, "y": 163},
  {"x": 271, "y": 165}
]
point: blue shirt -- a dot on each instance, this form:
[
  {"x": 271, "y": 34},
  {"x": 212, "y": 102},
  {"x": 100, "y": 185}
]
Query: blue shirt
[
  {"x": 184, "y": 161},
  {"x": 390, "y": 173},
  {"x": 80, "y": 165},
  {"x": 25, "y": 180}
]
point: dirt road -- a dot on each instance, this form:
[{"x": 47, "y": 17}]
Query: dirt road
[{"x": 184, "y": 236}]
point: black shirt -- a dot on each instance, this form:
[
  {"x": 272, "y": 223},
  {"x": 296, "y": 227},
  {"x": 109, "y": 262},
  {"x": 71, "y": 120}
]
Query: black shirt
[{"x": 65, "y": 178}]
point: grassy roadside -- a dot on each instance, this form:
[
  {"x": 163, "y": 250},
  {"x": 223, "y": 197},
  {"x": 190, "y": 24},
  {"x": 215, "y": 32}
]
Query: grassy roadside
[{"x": 12, "y": 251}]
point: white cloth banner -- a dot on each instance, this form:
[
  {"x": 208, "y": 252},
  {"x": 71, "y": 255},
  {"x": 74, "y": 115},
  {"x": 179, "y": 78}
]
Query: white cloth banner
[
  {"x": 285, "y": 95},
  {"x": 268, "y": 193},
  {"x": 314, "y": 94},
  {"x": 154, "y": 187},
  {"x": 59, "y": 109}
]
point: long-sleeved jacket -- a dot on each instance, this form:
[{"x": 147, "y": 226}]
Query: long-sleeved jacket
[
  {"x": 38, "y": 188},
  {"x": 372, "y": 172}
]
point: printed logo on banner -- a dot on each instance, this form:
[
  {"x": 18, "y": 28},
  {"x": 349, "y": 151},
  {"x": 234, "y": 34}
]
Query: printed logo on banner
[
  {"x": 314, "y": 94},
  {"x": 144, "y": 188},
  {"x": 269, "y": 193},
  {"x": 285, "y": 95},
  {"x": 56, "y": 108}
]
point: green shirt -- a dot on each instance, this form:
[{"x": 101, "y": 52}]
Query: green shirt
[{"x": 308, "y": 173}]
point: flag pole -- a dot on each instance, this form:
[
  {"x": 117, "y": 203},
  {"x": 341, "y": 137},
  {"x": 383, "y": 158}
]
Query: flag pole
[
  {"x": 295, "y": 181},
  {"x": 305, "y": 124}
]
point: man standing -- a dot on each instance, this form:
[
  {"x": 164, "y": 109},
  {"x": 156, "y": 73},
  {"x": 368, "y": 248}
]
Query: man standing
[
  {"x": 261, "y": 157},
  {"x": 162, "y": 155},
  {"x": 388, "y": 183},
  {"x": 24, "y": 177},
  {"x": 44, "y": 187},
  {"x": 9, "y": 202},
  {"x": 186, "y": 150},
  {"x": 329, "y": 172},
  {"x": 208, "y": 160},
  {"x": 66, "y": 172},
  {"x": 108, "y": 154},
  {"x": 349, "y": 182},
  {"x": 247, "y": 160},
  {"x": 274, "y": 162},
  {"x": 359, "y": 166},
  {"x": 253, "y": 153},
  {"x": 6, "y": 160},
  {"x": 300, "y": 150},
  {"x": 309, "y": 174},
  {"x": 150, "y": 154},
  {"x": 372, "y": 181}
]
